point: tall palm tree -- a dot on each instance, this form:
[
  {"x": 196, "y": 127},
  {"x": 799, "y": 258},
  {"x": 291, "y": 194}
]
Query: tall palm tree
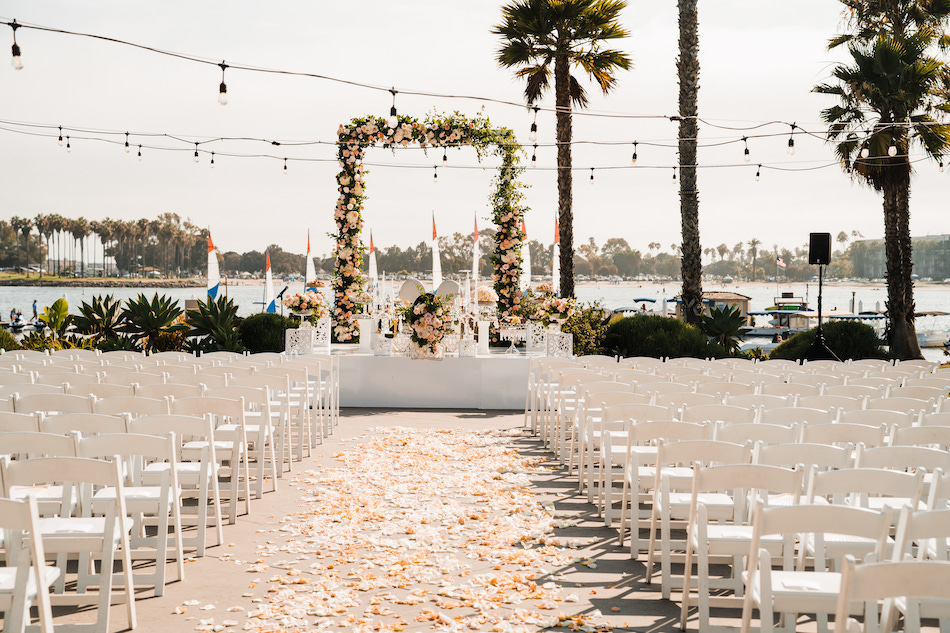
[
  {"x": 687, "y": 67},
  {"x": 888, "y": 103},
  {"x": 43, "y": 225},
  {"x": 753, "y": 253},
  {"x": 80, "y": 230},
  {"x": 17, "y": 223},
  {"x": 541, "y": 38}
]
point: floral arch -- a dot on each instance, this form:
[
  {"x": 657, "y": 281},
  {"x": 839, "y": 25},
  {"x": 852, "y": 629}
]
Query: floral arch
[{"x": 436, "y": 131}]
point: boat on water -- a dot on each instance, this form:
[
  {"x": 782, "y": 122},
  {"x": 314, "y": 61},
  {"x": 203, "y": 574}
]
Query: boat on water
[
  {"x": 934, "y": 330},
  {"x": 779, "y": 316}
]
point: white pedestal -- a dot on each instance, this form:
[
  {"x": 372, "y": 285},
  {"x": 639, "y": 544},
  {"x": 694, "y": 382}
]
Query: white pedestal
[
  {"x": 483, "y": 337},
  {"x": 366, "y": 335}
]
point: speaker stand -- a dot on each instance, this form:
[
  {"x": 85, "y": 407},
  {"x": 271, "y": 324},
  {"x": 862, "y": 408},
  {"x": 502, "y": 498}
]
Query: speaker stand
[{"x": 819, "y": 349}]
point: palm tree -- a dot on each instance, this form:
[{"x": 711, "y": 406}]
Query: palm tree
[
  {"x": 80, "y": 231},
  {"x": 17, "y": 223},
  {"x": 44, "y": 226},
  {"x": 540, "y": 34},
  {"x": 723, "y": 250},
  {"x": 888, "y": 102},
  {"x": 687, "y": 67},
  {"x": 753, "y": 253}
]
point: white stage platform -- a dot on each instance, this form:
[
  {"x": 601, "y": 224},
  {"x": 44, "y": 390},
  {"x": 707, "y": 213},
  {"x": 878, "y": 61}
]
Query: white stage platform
[{"x": 496, "y": 381}]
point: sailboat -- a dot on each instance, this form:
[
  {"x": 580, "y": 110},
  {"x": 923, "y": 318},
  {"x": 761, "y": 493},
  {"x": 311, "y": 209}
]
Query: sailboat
[
  {"x": 270, "y": 303},
  {"x": 214, "y": 275},
  {"x": 310, "y": 272},
  {"x": 436, "y": 259}
]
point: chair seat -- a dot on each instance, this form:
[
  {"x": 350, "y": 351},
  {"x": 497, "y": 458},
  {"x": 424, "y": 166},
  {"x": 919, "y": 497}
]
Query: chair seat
[
  {"x": 72, "y": 528},
  {"x": 718, "y": 505},
  {"x": 734, "y": 540},
  {"x": 8, "y": 580},
  {"x": 803, "y": 591},
  {"x": 142, "y": 499}
]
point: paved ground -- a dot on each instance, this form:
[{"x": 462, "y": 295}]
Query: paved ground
[{"x": 603, "y": 577}]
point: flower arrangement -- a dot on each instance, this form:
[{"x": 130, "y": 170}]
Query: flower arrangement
[
  {"x": 363, "y": 297},
  {"x": 555, "y": 309},
  {"x": 309, "y": 300},
  {"x": 317, "y": 283},
  {"x": 428, "y": 319},
  {"x": 453, "y": 130},
  {"x": 544, "y": 289},
  {"x": 486, "y": 294}
]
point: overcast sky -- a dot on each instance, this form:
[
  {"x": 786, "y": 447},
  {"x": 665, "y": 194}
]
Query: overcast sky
[{"x": 759, "y": 60}]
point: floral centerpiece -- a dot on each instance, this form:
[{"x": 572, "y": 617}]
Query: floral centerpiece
[
  {"x": 553, "y": 309},
  {"x": 486, "y": 294},
  {"x": 544, "y": 289},
  {"x": 307, "y": 303},
  {"x": 428, "y": 319}
]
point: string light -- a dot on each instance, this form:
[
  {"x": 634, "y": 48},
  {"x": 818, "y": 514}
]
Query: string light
[
  {"x": 126, "y": 142},
  {"x": 592, "y": 175},
  {"x": 674, "y": 175},
  {"x": 285, "y": 166},
  {"x": 68, "y": 148},
  {"x": 393, "y": 121},
  {"x": 534, "y": 156},
  {"x": 212, "y": 160},
  {"x": 633, "y": 161},
  {"x": 60, "y": 135},
  {"x": 196, "y": 152},
  {"x": 940, "y": 167},
  {"x": 435, "y": 174},
  {"x": 865, "y": 152},
  {"x": 745, "y": 153},
  {"x": 445, "y": 155},
  {"x": 17, "y": 63},
  {"x": 223, "y": 88},
  {"x": 140, "y": 152},
  {"x": 892, "y": 149},
  {"x": 791, "y": 141},
  {"x": 533, "y": 134},
  {"x": 758, "y": 173}
]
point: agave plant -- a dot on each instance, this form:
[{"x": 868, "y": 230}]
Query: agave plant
[
  {"x": 100, "y": 319},
  {"x": 724, "y": 325},
  {"x": 214, "y": 326},
  {"x": 147, "y": 320}
]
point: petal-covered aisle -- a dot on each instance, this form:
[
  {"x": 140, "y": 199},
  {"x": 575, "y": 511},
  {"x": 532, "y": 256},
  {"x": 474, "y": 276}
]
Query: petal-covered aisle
[{"x": 417, "y": 529}]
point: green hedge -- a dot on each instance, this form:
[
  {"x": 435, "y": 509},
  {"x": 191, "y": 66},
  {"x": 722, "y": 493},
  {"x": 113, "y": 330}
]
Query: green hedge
[
  {"x": 847, "y": 339},
  {"x": 264, "y": 332},
  {"x": 656, "y": 336},
  {"x": 8, "y": 341}
]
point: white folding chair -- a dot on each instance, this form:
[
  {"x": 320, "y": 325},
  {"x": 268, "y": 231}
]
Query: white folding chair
[
  {"x": 26, "y": 578},
  {"x": 845, "y": 434},
  {"x": 133, "y": 406}
]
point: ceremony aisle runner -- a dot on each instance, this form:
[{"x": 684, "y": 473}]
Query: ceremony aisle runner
[{"x": 418, "y": 530}]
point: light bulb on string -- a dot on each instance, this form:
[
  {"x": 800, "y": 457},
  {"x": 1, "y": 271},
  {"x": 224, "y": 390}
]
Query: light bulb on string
[
  {"x": 196, "y": 152},
  {"x": 68, "y": 147},
  {"x": 60, "y": 136},
  {"x": 533, "y": 134},
  {"x": 17, "y": 62},
  {"x": 126, "y": 142},
  {"x": 591, "y": 175},
  {"x": 791, "y": 141},
  {"x": 674, "y": 175},
  {"x": 212, "y": 160},
  {"x": 865, "y": 152},
  {"x": 940, "y": 166},
  {"x": 745, "y": 153},
  {"x": 223, "y": 88},
  {"x": 892, "y": 148},
  {"x": 445, "y": 155},
  {"x": 140, "y": 152},
  {"x": 534, "y": 156},
  {"x": 633, "y": 160},
  {"x": 435, "y": 174},
  {"x": 393, "y": 120},
  {"x": 758, "y": 173},
  {"x": 285, "y": 166}
]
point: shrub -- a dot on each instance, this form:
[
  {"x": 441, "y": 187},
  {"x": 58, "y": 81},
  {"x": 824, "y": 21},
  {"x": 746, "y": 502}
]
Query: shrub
[
  {"x": 588, "y": 326},
  {"x": 656, "y": 336},
  {"x": 8, "y": 341},
  {"x": 847, "y": 339},
  {"x": 264, "y": 332}
]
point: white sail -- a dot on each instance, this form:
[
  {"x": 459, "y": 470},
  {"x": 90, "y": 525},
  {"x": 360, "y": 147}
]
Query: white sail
[
  {"x": 436, "y": 259},
  {"x": 270, "y": 304},
  {"x": 524, "y": 281},
  {"x": 475, "y": 257},
  {"x": 310, "y": 272},
  {"x": 556, "y": 261},
  {"x": 214, "y": 276}
]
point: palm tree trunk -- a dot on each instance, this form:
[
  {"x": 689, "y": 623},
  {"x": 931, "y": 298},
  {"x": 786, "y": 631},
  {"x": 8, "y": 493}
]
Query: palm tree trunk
[
  {"x": 899, "y": 250},
  {"x": 688, "y": 69},
  {"x": 562, "y": 90}
]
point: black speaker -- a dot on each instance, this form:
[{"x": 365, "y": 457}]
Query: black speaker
[{"x": 819, "y": 248}]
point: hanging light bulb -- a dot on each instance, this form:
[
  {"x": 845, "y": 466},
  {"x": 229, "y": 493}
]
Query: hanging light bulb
[
  {"x": 940, "y": 167},
  {"x": 865, "y": 152},
  {"x": 633, "y": 160},
  {"x": 223, "y": 88},
  {"x": 534, "y": 156},
  {"x": 393, "y": 121},
  {"x": 591, "y": 175},
  {"x": 791, "y": 141},
  {"x": 892, "y": 149},
  {"x": 196, "y": 152},
  {"x": 212, "y": 160},
  {"x": 745, "y": 153},
  {"x": 674, "y": 175},
  {"x": 533, "y": 134},
  {"x": 60, "y": 136},
  {"x": 758, "y": 173},
  {"x": 140, "y": 152},
  {"x": 435, "y": 174},
  {"x": 126, "y": 142},
  {"x": 68, "y": 148},
  {"x": 17, "y": 63},
  {"x": 285, "y": 166},
  {"x": 445, "y": 157}
]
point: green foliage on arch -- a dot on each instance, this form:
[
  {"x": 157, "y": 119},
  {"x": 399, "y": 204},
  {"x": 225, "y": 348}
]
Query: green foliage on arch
[{"x": 435, "y": 131}]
